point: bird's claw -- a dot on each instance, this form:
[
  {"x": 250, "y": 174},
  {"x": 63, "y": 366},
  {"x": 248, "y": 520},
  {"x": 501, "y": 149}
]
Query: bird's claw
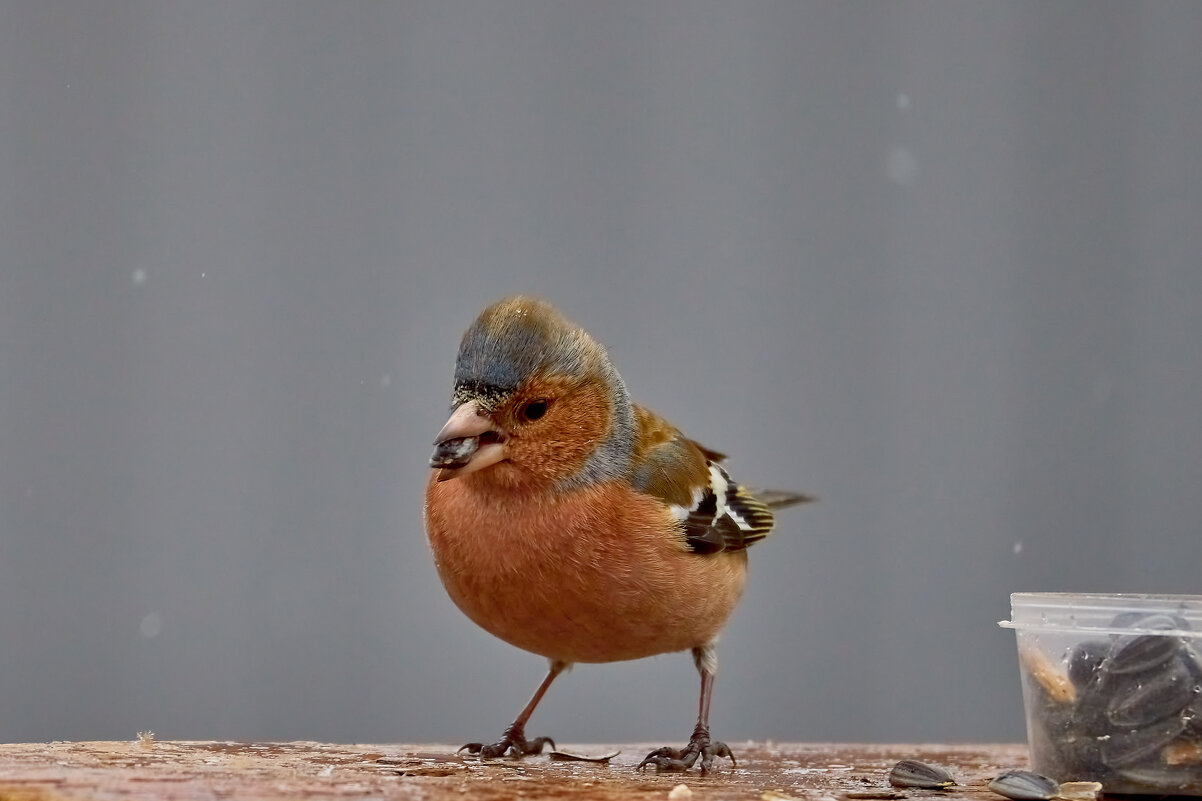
[
  {"x": 670, "y": 759},
  {"x": 514, "y": 743},
  {"x": 675, "y": 760}
]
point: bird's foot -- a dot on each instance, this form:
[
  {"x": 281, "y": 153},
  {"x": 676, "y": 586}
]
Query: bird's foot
[
  {"x": 514, "y": 743},
  {"x": 681, "y": 759}
]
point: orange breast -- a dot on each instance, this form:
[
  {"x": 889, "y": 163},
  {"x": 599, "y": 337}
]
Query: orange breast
[{"x": 595, "y": 575}]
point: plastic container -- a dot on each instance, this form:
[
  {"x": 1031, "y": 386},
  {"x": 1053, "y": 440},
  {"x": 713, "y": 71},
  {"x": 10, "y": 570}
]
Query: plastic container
[{"x": 1112, "y": 688}]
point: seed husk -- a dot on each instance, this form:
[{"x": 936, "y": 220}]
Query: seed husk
[
  {"x": 1023, "y": 785},
  {"x": 912, "y": 773},
  {"x": 568, "y": 756},
  {"x": 454, "y": 453},
  {"x": 1080, "y": 791},
  {"x": 1054, "y": 682},
  {"x": 1182, "y": 752}
]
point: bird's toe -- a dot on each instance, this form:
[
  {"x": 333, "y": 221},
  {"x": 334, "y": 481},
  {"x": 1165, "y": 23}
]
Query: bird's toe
[
  {"x": 681, "y": 759},
  {"x": 535, "y": 746},
  {"x": 513, "y": 743},
  {"x": 670, "y": 759},
  {"x": 715, "y": 749}
]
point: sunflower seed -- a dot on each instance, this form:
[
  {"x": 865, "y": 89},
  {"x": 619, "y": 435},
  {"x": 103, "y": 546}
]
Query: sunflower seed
[
  {"x": 1023, "y": 785},
  {"x": 1084, "y": 661},
  {"x": 1153, "y": 697},
  {"x": 1134, "y": 653},
  {"x": 912, "y": 773},
  {"x": 1126, "y": 748}
]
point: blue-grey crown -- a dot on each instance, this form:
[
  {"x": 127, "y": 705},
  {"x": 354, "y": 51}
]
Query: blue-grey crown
[{"x": 499, "y": 352}]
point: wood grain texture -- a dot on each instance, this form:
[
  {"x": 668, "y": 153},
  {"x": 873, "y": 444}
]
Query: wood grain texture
[{"x": 317, "y": 771}]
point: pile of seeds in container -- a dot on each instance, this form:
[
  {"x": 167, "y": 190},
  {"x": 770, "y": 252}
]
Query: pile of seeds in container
[{"x": 1127, "y": 712}]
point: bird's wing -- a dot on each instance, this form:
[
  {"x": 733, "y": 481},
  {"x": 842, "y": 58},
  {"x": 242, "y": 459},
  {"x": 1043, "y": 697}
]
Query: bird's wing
[{"x": 715, "y": 513}]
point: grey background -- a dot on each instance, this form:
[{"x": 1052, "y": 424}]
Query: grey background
[{"x": 939, "y": 263}]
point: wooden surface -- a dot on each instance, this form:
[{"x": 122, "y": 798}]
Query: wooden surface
[{"x": 301, "y": 770}]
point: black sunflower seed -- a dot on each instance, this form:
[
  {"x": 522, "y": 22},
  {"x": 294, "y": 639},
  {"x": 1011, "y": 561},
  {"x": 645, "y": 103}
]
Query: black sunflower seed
[
  {"x": 1141, "y": 701},
  {"x": 912, "y": 773},
  {"x": 1023, "y": 785}
]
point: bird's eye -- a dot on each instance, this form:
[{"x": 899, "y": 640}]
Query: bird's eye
[{"x": 535, "y": 409}]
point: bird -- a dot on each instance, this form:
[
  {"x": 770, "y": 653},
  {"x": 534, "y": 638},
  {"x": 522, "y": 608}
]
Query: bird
[{"x": 572, "y": 523}]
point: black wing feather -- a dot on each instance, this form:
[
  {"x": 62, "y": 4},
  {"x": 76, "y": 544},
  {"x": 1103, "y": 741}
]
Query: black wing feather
[{"x": 726, "y": 517}]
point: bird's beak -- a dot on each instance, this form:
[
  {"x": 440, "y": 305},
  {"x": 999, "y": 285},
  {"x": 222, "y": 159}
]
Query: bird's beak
[{"x": 467, "y": 443}]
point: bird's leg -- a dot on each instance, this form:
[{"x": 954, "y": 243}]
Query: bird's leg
[
  {"x": 514, "y": 740},
  {"x": 700, "y": 745}
]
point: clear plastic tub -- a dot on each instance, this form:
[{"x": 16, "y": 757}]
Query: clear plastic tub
[{"x": 1112, "y": 687}]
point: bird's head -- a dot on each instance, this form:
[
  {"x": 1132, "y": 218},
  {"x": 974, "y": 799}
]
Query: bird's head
[{"x": 535, "y": 398}]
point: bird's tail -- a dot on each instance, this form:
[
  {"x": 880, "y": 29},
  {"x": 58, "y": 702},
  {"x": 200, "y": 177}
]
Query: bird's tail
[{"x": 779, "y": 499}]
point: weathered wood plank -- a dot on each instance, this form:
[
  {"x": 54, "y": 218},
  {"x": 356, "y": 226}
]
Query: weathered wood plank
[{"x": 319, "y": 771}]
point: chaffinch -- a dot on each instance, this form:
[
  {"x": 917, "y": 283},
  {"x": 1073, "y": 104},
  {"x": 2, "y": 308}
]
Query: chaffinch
[{"x": 575, "y": 524}]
